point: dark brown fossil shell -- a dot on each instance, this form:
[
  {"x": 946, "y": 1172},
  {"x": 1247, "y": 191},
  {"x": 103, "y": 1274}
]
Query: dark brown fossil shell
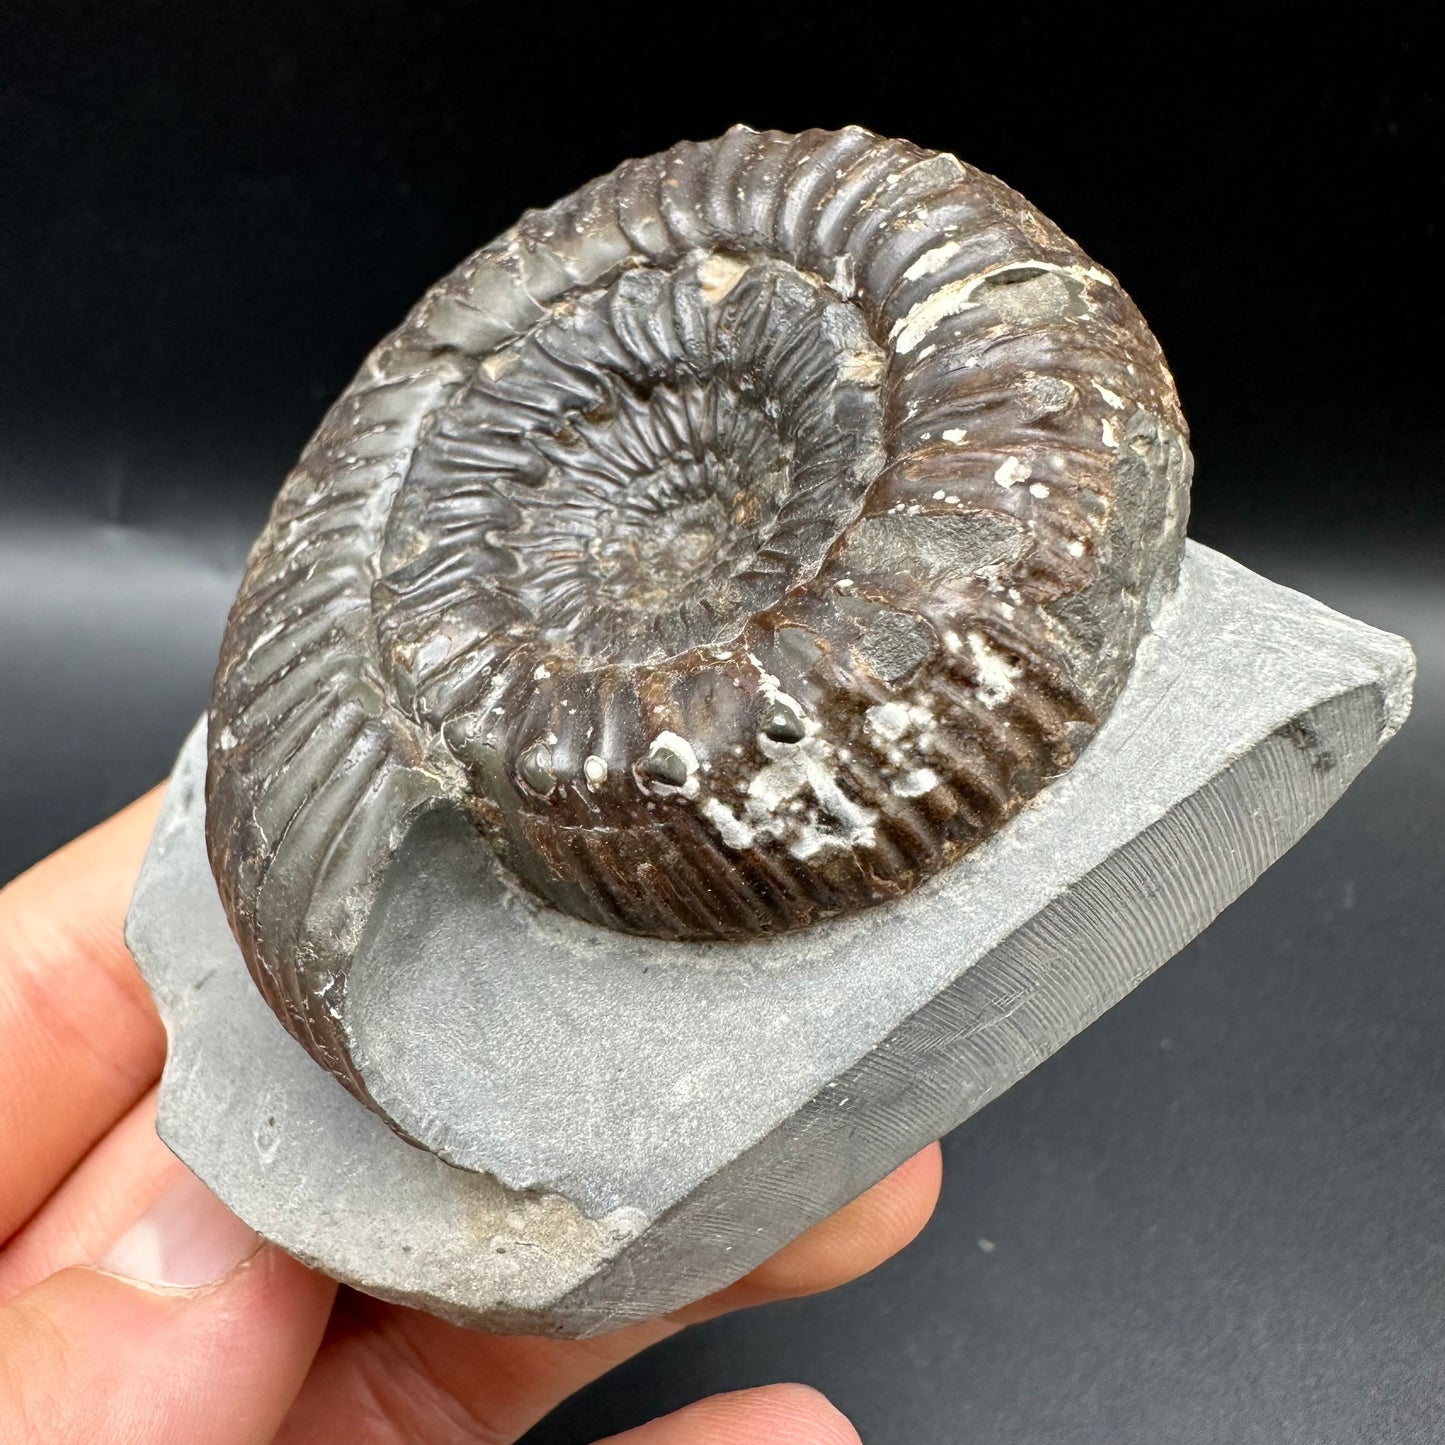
[{"x": 735, "y": 543}]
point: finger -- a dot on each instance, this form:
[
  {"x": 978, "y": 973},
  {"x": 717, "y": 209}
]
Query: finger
[
  {"x": 779, "y": 1414},
  {"x": 392, "y": 1376},
  {"x": 419, "y": 1376},
  {"x": 855, "y": 1240},
  {"x": 113, "y": 1184},
  {"x": 188, "y": 1328},
  {"x": 79, "y": 1038}
]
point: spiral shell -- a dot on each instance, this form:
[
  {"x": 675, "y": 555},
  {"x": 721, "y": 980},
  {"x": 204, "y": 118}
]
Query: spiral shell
[{"x": 734, "y": 544}]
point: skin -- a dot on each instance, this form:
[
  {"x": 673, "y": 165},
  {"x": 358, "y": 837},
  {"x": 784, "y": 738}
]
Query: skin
[{"x": 88, "y": 1354}]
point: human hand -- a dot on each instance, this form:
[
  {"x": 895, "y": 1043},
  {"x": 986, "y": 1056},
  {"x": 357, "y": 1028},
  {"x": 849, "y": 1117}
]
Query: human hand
[{"x": 134, "y": 1307}]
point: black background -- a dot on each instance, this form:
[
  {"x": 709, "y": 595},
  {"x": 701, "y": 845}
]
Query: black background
[{"x": 1217, "y": 1215}]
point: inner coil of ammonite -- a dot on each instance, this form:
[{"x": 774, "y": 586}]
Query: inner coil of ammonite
[{"x": 734, "y": 544}]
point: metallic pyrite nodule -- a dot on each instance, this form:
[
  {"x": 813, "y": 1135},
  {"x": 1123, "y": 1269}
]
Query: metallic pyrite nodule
[{"x": 732, "y": 545}]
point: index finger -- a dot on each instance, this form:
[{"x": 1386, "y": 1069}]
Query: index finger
[{"x": 80, "y": 1040}]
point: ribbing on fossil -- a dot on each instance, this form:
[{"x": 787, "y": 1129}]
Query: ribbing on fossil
[{"x": 735, "y": 543}]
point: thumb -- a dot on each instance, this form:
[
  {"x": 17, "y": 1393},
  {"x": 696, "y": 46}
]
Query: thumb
[{"x": 188, "y": 1328}]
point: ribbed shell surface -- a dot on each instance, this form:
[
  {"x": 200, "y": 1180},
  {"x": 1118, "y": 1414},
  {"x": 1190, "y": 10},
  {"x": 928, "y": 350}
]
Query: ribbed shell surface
[{"x": 735, "y": 544}]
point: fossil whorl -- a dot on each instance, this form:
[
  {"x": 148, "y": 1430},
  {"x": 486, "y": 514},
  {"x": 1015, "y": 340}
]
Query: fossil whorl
[{"x": 734, "y": 544}]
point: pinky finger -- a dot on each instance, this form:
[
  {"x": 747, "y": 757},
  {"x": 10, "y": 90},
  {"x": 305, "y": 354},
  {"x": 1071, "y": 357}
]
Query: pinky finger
[{"x": 779, "y": 1414}]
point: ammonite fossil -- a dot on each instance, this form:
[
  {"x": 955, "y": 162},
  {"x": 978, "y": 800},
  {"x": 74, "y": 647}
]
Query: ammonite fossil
[{"x": 733, "y": 544}]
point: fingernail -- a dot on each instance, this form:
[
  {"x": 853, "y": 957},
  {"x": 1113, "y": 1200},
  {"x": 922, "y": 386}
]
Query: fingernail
[{"x": 185, "y": 1240}]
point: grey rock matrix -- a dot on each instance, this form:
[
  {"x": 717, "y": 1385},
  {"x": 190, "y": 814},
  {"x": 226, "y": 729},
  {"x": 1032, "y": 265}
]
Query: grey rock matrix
[{"x": 614, "y": 1126}]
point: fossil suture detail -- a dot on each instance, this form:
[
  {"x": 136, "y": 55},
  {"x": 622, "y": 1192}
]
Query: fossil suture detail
[{"x": 733, "y": 544}]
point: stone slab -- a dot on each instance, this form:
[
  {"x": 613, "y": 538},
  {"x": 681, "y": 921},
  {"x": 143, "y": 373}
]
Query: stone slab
[{"x": 632, "y": 1124}]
